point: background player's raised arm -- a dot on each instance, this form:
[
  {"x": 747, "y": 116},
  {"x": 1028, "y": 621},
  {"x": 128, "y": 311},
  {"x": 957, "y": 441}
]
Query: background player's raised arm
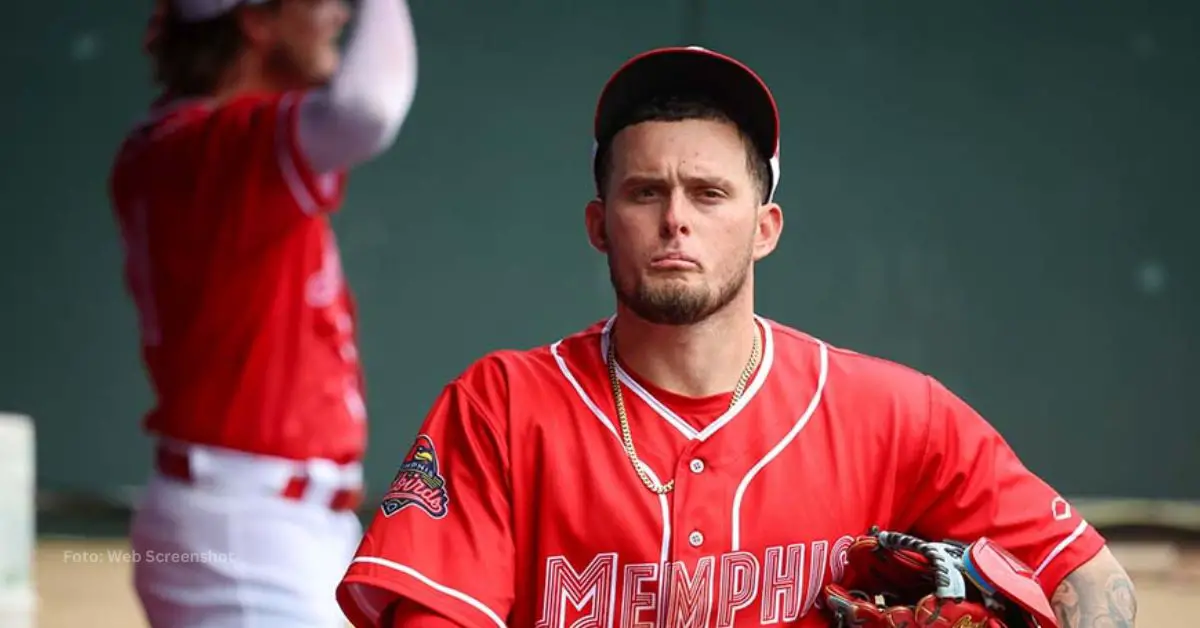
[{"x": 358, "y": 115}]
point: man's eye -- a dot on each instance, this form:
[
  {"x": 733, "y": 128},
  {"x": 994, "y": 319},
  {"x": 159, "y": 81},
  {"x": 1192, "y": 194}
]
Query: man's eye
[
  {"x": 645, "y": 193},
  {"x": 712, "y": 193}
]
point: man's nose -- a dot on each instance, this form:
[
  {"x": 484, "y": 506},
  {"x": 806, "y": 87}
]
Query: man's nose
[{"x": 676, "y": 215}]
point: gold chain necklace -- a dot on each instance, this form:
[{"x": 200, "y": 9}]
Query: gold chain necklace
[{"x": 619, "y": 400}]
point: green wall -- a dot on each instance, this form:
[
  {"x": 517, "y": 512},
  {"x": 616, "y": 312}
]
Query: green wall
[{"x": 999, "y": 193}]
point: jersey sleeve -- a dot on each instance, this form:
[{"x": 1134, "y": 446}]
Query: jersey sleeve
[
  {"x": 977, "y": 486},
  {"x": 241, "y": 166},
  {"x": 409, "y": 614},
  {"x": 314, "y": 192},
  {"x": 441, "y": 537}
]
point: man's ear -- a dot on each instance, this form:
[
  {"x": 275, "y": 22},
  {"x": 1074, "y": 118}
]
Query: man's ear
[
  {"x": 597, "y": 230},
  {"x": 768, "y": 230}
]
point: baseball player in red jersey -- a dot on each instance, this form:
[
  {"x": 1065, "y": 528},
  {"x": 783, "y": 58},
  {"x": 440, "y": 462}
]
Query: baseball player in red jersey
[
  {"x": 686, "y": 462},
  {"x": 223, "y": 196}
]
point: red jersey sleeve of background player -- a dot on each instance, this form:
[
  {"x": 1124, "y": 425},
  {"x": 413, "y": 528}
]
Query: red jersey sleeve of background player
[
  {"x": 237, "y": 165},
  {"x": 314, "y": 192},
  {"x": 974, "y": 486},
  {"x": 258, "y": 133},
  {"x": 442, "y": 536}
]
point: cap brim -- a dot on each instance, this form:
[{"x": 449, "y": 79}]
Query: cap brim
[{"x": 691, "y": 71}]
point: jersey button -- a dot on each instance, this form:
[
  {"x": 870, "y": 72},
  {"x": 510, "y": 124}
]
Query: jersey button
[
  {"x": 696, "y": 465},
  {"x": 696, "y": 539}
]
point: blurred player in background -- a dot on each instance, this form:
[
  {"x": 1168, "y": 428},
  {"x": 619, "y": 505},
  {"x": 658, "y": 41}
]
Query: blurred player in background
[{"x": 222, "y": 196}]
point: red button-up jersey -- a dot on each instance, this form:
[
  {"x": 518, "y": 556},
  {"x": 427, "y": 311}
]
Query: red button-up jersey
[
  {"x": 247, "y": 327},
  {"x": 518, "y": 505}
]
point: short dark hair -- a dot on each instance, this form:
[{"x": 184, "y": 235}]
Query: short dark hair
[
  {"x": 189, "y": 58},
  {"x": 677, "y": 108}
]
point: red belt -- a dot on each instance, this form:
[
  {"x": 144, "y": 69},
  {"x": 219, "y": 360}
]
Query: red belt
[{"x": 178, "y": 465}]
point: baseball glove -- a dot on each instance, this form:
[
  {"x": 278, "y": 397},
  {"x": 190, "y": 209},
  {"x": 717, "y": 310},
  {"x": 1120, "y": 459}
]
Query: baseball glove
[{"x": 894, "y": 580}]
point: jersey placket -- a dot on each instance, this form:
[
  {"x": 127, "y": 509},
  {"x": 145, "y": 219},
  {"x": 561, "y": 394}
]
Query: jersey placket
[
  {"x": 696, "y": 580},
  {"x": 698, "y": 513}
]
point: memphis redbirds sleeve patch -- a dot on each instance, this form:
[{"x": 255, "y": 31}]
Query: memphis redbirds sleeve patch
[{"x": 418, "y": 483}]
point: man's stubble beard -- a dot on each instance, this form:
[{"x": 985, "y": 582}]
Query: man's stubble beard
[{"x": 678, "y": 304}]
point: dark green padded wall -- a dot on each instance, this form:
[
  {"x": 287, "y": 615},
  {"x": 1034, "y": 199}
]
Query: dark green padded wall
[{"x": 1000, "y": 194}]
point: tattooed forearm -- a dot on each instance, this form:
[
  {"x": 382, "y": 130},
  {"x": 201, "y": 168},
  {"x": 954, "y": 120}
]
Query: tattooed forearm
[{"x": 1096, "y": 597}]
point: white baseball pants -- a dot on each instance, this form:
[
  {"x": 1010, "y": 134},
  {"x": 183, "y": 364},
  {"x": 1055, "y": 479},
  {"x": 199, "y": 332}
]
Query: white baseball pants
[{"x": 215, "y": 557}]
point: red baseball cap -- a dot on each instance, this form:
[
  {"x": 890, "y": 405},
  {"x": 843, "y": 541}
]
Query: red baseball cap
[{"x": 693, "y": 70}]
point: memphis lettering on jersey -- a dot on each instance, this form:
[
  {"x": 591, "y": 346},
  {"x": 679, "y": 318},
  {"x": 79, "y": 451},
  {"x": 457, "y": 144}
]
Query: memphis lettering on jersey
[{"x": 782, "y": 585}]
